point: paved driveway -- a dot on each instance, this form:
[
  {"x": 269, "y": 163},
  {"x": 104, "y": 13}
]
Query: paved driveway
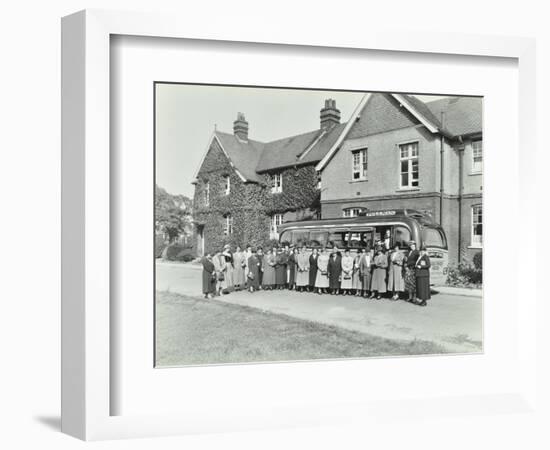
[{"x": 450, "y": 320}]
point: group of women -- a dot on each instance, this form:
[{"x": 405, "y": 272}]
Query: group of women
[{"x": 369, "y": 273}]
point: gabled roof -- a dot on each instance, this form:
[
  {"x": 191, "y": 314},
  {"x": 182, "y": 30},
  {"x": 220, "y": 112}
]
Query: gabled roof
[
  {"x": 461, "y": 115},
  {"x": 243, "y": 155}
]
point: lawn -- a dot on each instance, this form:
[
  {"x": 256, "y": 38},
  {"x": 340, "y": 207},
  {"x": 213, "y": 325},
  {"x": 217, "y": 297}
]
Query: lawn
[{"x": 193, "y": 330}]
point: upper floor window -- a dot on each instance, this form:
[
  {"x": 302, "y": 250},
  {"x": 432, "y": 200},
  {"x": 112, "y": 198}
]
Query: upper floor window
[
  {"x": 207, "y": 193},
  {"x": 227, "y": 185},
  {"x": 359, "y": 164},
  {"x": 352, "y": 212},
  {"x": 276, "y": 183},
  {"x": 276, "y": 220},
  {"x": 477, "y": 156},
  {"x": 228, "y": 228},
  {"x": 408, "y": 154},
  {"x": 477, "y": 226},
  {"x": 319, "y": 182}
]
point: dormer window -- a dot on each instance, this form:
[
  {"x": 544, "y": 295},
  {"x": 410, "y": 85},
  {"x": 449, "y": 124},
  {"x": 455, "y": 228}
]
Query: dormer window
[{"x": 276, "y": 181}]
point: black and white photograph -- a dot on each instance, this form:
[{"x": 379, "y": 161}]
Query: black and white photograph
[{"x": 300, "y": 224}]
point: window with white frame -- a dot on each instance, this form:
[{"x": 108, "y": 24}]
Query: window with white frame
[
  {"x": 477, "y": 156},
  {"x": 276, "y": 220},
  {"x": 359, "y": 164},
  {"x": 207, "y": 193},
  {"x": 408, "y": 154},
  {"x": 227, "y": 185},
  {"x": 228, "y": 228},
  {"x": 477, "y": 226},
  {"x": 319, "y": 182},
  {"x": 352, "y": 212},
  {"x": 276, "y": 183}
]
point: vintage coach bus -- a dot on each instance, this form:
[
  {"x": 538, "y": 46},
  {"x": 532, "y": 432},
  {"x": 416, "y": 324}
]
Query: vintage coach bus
[{"x": 356, "y": 232}]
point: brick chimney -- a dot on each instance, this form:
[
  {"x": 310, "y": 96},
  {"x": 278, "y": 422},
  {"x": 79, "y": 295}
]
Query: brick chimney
[
  {"x": 330, "y": 115},
  {"x": 240, "y": 127}
]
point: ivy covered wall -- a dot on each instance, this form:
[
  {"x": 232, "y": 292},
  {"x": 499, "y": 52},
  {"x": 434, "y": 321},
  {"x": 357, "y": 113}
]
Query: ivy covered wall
[{"x": 250, "y": 204}]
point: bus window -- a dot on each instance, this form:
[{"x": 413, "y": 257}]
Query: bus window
[
  {"x": 286, "y": 237},
  {"x": 432, "y": 237},
  {"x": 317, "y": 238},
  {"x": 380, "y": 232},
  {"x": 300, "y": 237},
  {"x": 360, "y": 239},
  {"x": 402, "y": 236},
  {"x": 338, "y": 238}
]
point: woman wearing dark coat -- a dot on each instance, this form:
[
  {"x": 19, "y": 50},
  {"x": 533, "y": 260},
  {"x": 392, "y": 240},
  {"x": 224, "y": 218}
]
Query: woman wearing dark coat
[
  {"x": 254, "y": 266},
  {"x": 410, "y": 272},
  {"x": 291, "y": 264},
  {"x": 313, "y": 268},
  {"x": 208, "y": 276},
  {"x": 280, "y": 269},
  {"x": 423, "y": 277},
  {"x": 334, "y": 272}
]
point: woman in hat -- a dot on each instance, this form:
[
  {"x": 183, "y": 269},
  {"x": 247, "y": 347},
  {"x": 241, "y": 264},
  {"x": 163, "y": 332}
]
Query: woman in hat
[
  {"x": 269, "y": 270},
  {"x": 291, "y": 266},
  {"x": 321, "y": 280},
  {"x": 335, "y": 271},
  {"x": 410, "y": 272},
  {"x": 208, "y": 276},
  {"x": 365, "y": 269},
  {"x": 396, "y": 283},
  {"x": 347, "y": 273},
  {"x": 253, "y": 272},
  {"x": 378, "y": 283},
  {"x": 239, "y": 265},
  {"x": 302, "y": 274},
  {"x": 313, "y": 258},
  {"x": 280, "y": 269},
  {"x": 423, "y": 277},
  {"x": 228, "y": 266}
]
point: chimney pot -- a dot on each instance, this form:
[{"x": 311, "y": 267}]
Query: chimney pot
[
  {"x": 240, "y": 127},
  {"x": 330, "y": 115}
]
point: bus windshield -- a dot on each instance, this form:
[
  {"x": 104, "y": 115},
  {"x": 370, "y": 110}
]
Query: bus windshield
[{"x": 433, "y": 237}]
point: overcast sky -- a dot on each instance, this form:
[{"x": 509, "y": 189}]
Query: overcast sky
[{"x": 187, "y": 114}]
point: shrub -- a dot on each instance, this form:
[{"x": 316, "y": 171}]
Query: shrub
[
  {"x": 478, "y": 260},
  {"x": 173, "y": 250},
  {"x": 185, "y": 256},
  {"x": 463, "y": 275}
]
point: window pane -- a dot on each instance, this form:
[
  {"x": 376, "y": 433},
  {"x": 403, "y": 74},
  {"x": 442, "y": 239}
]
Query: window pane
[
  {"x": 404, "y": 179},
  {"x": 432, "y": 237},
  {"x": 338, "y": 239},
  {"x": 317, "y": 238},
  {"x": 404, "y": 166},
  {"x": 300, "y": 237},
  {"x": 402, "y": 236}
]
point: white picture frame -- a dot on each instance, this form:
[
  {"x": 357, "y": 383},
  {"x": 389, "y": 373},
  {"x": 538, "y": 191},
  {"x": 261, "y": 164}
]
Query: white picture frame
[{"x": 86, "y": 216}]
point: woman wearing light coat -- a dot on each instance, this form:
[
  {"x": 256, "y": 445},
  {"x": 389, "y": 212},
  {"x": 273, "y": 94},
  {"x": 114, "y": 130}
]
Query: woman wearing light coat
[
  {"x": 268, "y": 280},
  {"x": 239, "y": 265},
  {"x": 347, "y": 273},
  {"x": 302, "y": 273},
  {"x": 321, "y": 280},
  {"x": 396, "y": 283}
]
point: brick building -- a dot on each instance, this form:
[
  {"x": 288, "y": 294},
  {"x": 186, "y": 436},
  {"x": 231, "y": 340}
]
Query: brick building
[
  {"x": 245, "y": 188},
  {"x": 399, "y": 152}
]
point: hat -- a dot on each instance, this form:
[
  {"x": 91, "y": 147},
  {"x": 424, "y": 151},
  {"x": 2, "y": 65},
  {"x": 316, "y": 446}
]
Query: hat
[
  {"x": 412, "y": 242},
  {"x": 226, "y": 246}
]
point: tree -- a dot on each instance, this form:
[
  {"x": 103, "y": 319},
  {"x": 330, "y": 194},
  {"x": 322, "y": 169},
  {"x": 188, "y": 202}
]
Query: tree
[{"x": 172, "y": 214}]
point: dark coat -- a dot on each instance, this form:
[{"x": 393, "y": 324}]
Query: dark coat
[
  {"x": 291, "y": 263},
  {"x": 312, "y": 269},
  {"x": 423, "y": 278},
  {"x": 254, "y": 272},
  {"x": 280, "y": 268},
  {"x": 208, "y": 276},
  {"x": 334, "y": 271}
]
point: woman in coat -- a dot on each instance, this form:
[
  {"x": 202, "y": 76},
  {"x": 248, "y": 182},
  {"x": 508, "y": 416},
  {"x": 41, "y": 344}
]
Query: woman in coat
[
  {"x": 253, "y": 272},
  {"x": 410, "y": 275},
  {"x": 347, "y": 273},
  {"x": 302, "y": 273},
  {"x": 356, "y": 283},
  {"x": 365, "y": 270},
  {"x": 268, "y": 280},
  {"x": 239, "y": 265},
  {"x": 280, "y": 269},
  {"x": 334, "y": 271},
  {"x": 378, "y": 283},
  {"x": 208, "y": 276},
  {"x": 396, "y": 284},
  {"x": 219, "y": 268},
  {"x": 423, "y": 277},
  {"x": 313, "y": 268},
  {"x": 291, "y": 268},
  {"x": 321, "y": 279},
  {"x": 228, "y": 256}
]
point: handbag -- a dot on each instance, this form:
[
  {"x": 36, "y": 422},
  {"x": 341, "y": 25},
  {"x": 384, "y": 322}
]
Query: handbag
[
  {"x": 221, "y": 276},
  {"x": 250, "y": 275}
]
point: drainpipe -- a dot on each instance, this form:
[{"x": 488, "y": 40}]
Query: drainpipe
[{"x": 460, "y": 150}]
